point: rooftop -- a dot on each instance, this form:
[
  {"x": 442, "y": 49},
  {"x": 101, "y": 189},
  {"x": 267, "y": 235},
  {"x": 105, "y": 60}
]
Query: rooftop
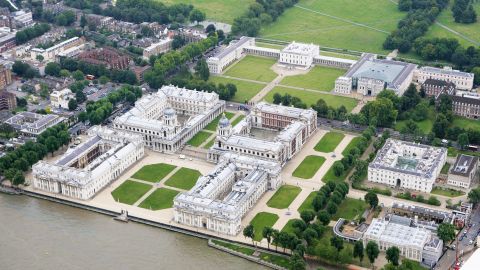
[
  {"x": 447, "y": 71},
  {"x": 464, "y": 165},
  {"x": 301, "y": 48}
]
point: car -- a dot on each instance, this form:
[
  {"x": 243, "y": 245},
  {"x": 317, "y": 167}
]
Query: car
[
  {"x": 470, "y": 242},
  {"x": 453, "y": 247}
]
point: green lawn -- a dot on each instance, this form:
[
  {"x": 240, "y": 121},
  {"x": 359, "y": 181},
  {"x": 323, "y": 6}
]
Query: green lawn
[
  {"x": 329, "y": 23},
  {"x": 218, "y": 10},
  {"x": 209, "y": 144},
  {"x": 262, "y": 220},
  {"x": 288, "y": 227},
  {"x": 329, "y": 142},
  {"x": 130, "y": 191},
  {"x": 161, "y": 198},
  {"x": 199, "y": 138},
  {"x": 154, "y": 172},
  {"x": 238, "y": 248},
  {"x": 253, "y": 68},
  {"x": 339, "y": 55},
  {"x": 184, "y": 178},
  {"x": 245, "y": 90},
  {"x": 269, "y": 45},
  {"x": 237, "y": 120},
  {"x": 453, "y": 152},
  {"x": 307, "y": 204},
  {"x": 311, "y": 97},
  {"x": 425, "y": 125},
  {"x": 212, "y": 126},
  {"x": 352, "y": 144},
  {"x": 350, "y": 209},
  {"x": 319, "y": 78},
  {"x": 308, "y": 167},
  {"x": 284, "y": 197},
  {"x": 445, "y": 168},
  {"x": 466, "y": 123},
  {"x": 447, "y": 192},
  {"x": 330, "y": 175}
]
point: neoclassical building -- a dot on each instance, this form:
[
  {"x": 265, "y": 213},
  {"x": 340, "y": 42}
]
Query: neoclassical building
[
  {"x": 299, "y": 54},
  {"x": 169, "y": 118},
  {"x": 462, "y": 80},
  {"x": 220, "y": 199},
  {"x": 86, "y": 169},
  {"x": 407, "y": 165},
  {"x": 218, "y": 62}
]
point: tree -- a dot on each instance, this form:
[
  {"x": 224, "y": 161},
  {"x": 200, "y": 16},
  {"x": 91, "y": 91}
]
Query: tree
[
  {"x": 267, "y": 233},
  {"x": 337, "y": 243},
  {"x": 372, "y": 199},
  {"x": 210, "y": 28},
  {"x": 18, "y": 179},
  {"x": 52, "y": 144},
  {"x": 393, "y": 255},
  {"x": 83, "y": 21},
  {"x": 440, "y": 126},
  {"x": 202, "y": 69},
  {"x": 44, "y": 91},
  {"x": 249, "y": 232},
  {"x": 372, "y": 251},
  {"x": 332, "y": 208},
  {"x": 40, "y": 58},
  {"x": 307, "y": 216},
  {"x": 338, "y": 169},
  {"x": 358, "y": 250},
  {"x": 299, "y": 226},
  {"x": 446, "y": 232},
  {"x": 72, "y": 104},
  {"x": 297, "y": 262},
  {"x": 197, "y": 16},
  {"x": 474, "y": 195},
  {"x": 463, "y": 140},
  {"x": 78, "y": 75},
  {"x": 53, "y": 69},
  {"x": 309, "y": 235},
  {"x": 323, "y": 217}
]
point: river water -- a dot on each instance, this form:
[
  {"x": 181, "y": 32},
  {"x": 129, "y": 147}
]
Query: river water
[{"x": 37, "y": 234}]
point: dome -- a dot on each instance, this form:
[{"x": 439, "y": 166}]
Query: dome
[
  {"x": 224, "y": 121},
  {"x": 169, "y": 112}
]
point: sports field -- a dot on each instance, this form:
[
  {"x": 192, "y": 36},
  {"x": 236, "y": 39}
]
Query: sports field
[
  {"x": 311, "y": 97},
  {"x": 245, "y": 90},
  {"x": 360, "y": 25},
  {"x": 318, "y": 78},
  {"x": 218, "y": 10},
  {"x": 253, "y": 68}
]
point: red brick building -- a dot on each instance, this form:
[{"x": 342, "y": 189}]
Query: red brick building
[{"x": 108, "y": 57}]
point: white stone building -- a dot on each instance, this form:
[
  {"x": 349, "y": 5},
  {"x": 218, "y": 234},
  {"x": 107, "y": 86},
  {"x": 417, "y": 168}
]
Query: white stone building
[
  {"x": 60, "y": 99},
  {"x": 463, "y": 172},
  {"x": 32, "y": 124},
  {"x": 414, "y": 242},
  {"x": 369, "y": 76},
  {"x": 220, "y": 199},
  {"x": 86, "y": 169},
  {"x": 21, "y": 19},
  {"x": 169, "y": 118},
  {"x": 407, "y": 165},
  {"x": 299, "y": 54},
  {"x": 218, "y": 62},
  {"x": 462, "y": 80},
  {"x": 68, "y": 48},
  {"x": 162, "y": 46}
]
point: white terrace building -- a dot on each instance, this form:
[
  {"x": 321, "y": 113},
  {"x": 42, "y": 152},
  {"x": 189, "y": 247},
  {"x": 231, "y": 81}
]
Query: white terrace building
[
  {"x": 225, "y": 57},
  {"x": 86, "y": 169},
  {"x": 299, "y": 54},
  {"x": 407, "y": 165},
  {"x": 169, "y": 118},
  {"x": 462, "y": 80},
  {"x": 220, "y": 199}
]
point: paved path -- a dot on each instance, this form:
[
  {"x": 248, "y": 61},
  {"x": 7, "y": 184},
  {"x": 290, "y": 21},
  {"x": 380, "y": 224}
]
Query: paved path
[{"x": 261, "y": 95}]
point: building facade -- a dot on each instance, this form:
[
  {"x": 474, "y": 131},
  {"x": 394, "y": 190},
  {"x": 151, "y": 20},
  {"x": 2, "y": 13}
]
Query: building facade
[
  {"x": 299, "y": 54},
  {"x": 32, "y": 124},
  {"x": 162, "y": 46},
  {"x": 86, "y": 169},
  {"x": 218, "y": 62},
  {"x": 407, "y": 165},
  {"x": 462, "y": 80},
  {"x": 8, "y": 101},
  {"x": 5, "y": 76},
  {"x": 108, "y": 57},
  {"x": 70, "y": 47},
  {"x": 466, "y": 106},
  {"x": 463, "y": 173},
  {"x": 169, "y": 118},
  {"x": 435, "y": 88},
  {"x": 60, "y": 99}
]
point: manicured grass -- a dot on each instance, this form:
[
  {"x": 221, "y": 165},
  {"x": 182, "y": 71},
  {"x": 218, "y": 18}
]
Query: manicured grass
[
  {"x": 245, "y": 90},
  {"x": 212, "y": 126},
  {"x": 453, "y": 152},
  {"x": 275, "y": 259},
  {"x": 130, "y": 191},
  {"x": 350, "y": 209},
  {"x": 184, "y": 178},
  {"x": 154, "y": 172},
  {"x": 329, "y": 23},
  {"x": 466, "y": 123},
  {"x": 262, "y": 220},
  {"x": 309, "y": 167},
  {"x": 218, "y": 10},
  {"x": 447, "y": 192},
  {"x": 329, "y": 142},
  {"x": 425, "y": 125},
  {"x": 339, "y": 55},
  {"x": 161, "y": 198},
  {"x": 241, "y": 249},
  {"x": 330, "y": 175},
  {"x": 253, "y": 68},
  {"x": 199, "y": 138},
  {"x": 284, "y": 196},
  {"x": 319, "y": 78},
  {"x": 311, "y": 97},
  {"x": 269, "y": 45},
  {"x": 307, "y": 204},
  {"x": 209, "y": 144},
  {"x": 352, "y": 144},
  {"x": 288, "y": 227},
  {"x": 237, "y": 120},
  {"x": 445, "y": 168}
]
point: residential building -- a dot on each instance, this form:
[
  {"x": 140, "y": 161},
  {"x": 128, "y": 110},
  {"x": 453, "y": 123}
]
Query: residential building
[
  {"x": 32, "y": 124},
  {"x": 407, "y": 165},
  {"x": 170, "y": 117},
  {"x": 421, "y": 213},
  {"x": 466, "y": 106},
  {"x": 462, "y": 80},
  {"x": 228, "y": 55},
  {"x": 413, "y": 241},
  {"x": 8, "y": 101},
  {"x": 5, "y": 76},
  {"x": 60, "y": 98},
  {"x": 299, "y": 54},
  {"x": 108, "y": 57},
  {"x": 435, "y": 88},
  {"x": 21, "y": 19},
  {"x": 369, "y": 76},
  {"x": 463, "y": 173},
  {"x": 7, "y": 40},
  {"x": 68, "y": 48},
  {"x": 162, "y": 46},
  {"x": 85, "y": 170},
  {"x": 140, "y": 72}
]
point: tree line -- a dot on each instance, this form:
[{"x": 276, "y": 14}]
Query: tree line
[
  {"x": 261, "y": 12},
  {"x": 30, "y": 33},
  {"x": 20, "y": 160},
  {"x": 421, "y": 14},
  {"x": 463, "y": 11}
]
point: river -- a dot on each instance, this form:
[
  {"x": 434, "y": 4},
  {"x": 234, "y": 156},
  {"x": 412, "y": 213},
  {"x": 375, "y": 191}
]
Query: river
[{"x": 37, "y": 234}]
